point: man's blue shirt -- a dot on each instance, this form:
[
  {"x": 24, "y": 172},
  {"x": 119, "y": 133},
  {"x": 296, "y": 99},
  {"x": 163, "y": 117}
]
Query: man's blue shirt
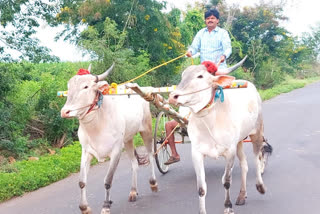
[{"x": 212, "y": 45}]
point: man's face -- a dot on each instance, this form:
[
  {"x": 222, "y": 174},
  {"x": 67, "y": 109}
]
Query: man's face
[{"x": 211, "y": 22}]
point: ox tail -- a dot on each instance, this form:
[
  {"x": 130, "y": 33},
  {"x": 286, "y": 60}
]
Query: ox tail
[
  {"x": 233, "y": 68},
  {"x": 267, "y": 148}
]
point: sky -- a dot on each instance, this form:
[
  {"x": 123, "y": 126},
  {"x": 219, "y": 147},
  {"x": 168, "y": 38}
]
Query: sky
[{"x": 302, "y": 15}]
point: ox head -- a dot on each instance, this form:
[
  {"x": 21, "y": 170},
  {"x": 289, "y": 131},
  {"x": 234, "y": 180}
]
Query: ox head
[
  {"x": 197, "y": 86},
  {"x": 82, "y": 92}
]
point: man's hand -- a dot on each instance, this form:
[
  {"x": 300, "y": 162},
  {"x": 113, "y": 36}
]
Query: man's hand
[
  {"x": 222, "y": 58},
  {"x": 189, "y": 54}
]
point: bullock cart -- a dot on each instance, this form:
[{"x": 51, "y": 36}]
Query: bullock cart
[
  {"x": 162, "y": 152},
  {"x": 153, "y": 95}
]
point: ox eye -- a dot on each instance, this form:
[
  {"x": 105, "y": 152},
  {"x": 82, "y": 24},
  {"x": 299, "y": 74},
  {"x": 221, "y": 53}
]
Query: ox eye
[
  {"x": 200, "y": 76},
  {"x": 85, "y": 87}
]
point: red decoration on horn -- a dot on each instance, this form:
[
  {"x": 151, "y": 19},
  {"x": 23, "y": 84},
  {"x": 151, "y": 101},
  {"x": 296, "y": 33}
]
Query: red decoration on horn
[
  {"x": 83, "y": 71},
  {"x": 211, "y": 67}
]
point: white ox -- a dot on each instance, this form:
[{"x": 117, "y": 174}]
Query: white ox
[
  {"x": 218, "y": 128},
  {"x": 105, "y": 130}
]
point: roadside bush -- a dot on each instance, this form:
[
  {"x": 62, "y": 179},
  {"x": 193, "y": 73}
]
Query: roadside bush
[
  {"x": 30, "y": 109},
  {"x": 268, "y": 75},
  {"x": 25, "y": 176},
  {"x": 241, "y": 74}
]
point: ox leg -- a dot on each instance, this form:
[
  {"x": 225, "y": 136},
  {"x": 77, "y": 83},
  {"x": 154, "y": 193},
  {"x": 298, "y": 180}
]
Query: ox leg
[
  {"x": 226, "y": 181},
  {"x": 134, "y": 165},
  {"x": 264, "y": 154},
  {"x": 148, "y": 142},
  {"x": 84, "y": 169},
  {"x": 244, "y": 171},
  {"x": 257, "y": 143},
  {"x": 114, "y": 161},
  {"x": 197, "y": 159}
]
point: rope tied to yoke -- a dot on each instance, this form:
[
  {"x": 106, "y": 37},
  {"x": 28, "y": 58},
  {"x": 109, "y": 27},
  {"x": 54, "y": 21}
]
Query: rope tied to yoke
[{"x": 149, "y": 97}]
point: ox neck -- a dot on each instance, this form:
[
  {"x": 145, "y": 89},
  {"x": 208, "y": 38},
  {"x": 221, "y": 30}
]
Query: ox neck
[
  {"x": 98, "y": 100},
  {"x": 211, "y": 102},
  {"x": 217, "y": 93},
  {"x": 97, "y": 103}
]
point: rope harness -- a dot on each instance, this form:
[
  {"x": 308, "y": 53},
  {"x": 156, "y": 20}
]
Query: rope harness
[{"x": 98, "y": 100}]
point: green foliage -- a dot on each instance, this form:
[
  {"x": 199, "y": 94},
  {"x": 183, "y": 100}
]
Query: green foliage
[
  {"x": 30, "y": 109},
  {"x": 192, "y": 23},
  {"x": 242, "y": 74},
  {"x": 11, "y": 123},
  {"x": 311, "y": 42},
  {"x": 286, "y": 86},
  {"x": 109, "y": 48},
  {"x": 19, "y": 25},
  {"x": 122, "y": 30},
  {"x": 268, "y": 75},
  {"x": 25, "y": 176}
]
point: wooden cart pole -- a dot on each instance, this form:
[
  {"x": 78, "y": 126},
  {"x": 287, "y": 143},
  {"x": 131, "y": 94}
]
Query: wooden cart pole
[{"x": 159, "y": 102}]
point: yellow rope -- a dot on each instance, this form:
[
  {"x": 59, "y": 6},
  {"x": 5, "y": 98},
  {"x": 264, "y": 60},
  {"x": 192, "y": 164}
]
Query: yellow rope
[{"x": 154, "y": 69}]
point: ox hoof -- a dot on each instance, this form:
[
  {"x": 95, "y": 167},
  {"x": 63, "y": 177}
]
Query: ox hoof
[
  {"x": 133, "y": 196},
  {"x": 154, "y": 188},
  {"x": 153, "y": 185},
  {"x": 85, "y": 210},
  {"x": 105, "y": 211},
  {"x": 261, "y": 188},
  {"x": 228, "y": 211},
  {"x": 241, "y": 200}
]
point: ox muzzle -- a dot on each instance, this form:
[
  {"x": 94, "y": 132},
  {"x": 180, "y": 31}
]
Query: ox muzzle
[{"x": 65, "y": 113}]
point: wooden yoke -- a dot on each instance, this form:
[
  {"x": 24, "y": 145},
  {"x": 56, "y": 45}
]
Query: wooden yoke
[{"x": 159, "y": 102}]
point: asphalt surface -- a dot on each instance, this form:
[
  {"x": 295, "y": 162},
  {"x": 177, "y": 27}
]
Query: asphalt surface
[{"x": 292, "y": 126}]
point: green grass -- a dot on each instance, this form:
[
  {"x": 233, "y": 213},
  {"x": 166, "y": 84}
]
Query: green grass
[
  {"x": 26, "y": 176},
  {"x": 286, "y": 86}
]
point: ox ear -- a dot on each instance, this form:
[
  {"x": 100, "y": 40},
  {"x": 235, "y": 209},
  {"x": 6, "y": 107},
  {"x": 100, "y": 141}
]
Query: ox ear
[
  {"x": 223, "y": 80},
  {"x": 103, "y": 86}
]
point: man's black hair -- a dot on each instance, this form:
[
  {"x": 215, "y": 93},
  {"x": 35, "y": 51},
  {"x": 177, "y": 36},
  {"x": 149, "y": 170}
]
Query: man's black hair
[{"x": 212, "y": 12}]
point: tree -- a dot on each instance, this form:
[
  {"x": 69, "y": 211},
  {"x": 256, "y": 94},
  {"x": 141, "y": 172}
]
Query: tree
[
  {"x": 260, "y": 23},
  {"x": 312, "y": 41},
  {"x": 18, "y": 23},
  {"x": 192, "y": 23},
  {"x": 143, "y": 27}
]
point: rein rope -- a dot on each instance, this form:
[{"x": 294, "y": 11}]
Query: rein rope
[
  {"x": 98, "y": 100},
  {"x": 219, "y": 92},
  {"x": 218, "y": 95},
  {"x": 165, "y": 63},
  {"x": 194, "y": 92}
]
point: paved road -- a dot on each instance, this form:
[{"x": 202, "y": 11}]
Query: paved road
[{"x": 292, "y": 125}]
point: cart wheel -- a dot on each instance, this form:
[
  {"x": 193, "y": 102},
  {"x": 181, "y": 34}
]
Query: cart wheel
[{"x": 164, "y": 153}]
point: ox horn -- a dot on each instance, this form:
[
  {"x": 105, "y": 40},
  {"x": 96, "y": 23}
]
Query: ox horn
[
  {"x": 105, "y": 74},
  {"x": 89, "y": 68},
  {"x": 229, "y": 70}
]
